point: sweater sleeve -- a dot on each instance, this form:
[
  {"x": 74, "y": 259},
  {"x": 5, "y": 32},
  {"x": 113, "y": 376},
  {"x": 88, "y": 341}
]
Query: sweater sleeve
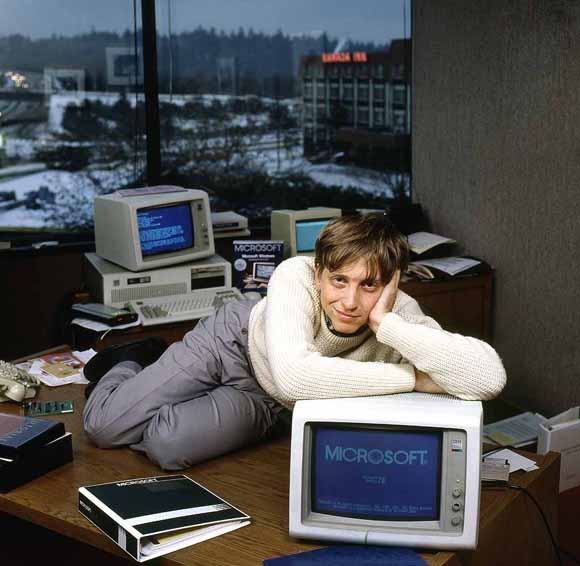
[
  {"x": 298, "y": 370},
  {"x": 463, "y": 366}
]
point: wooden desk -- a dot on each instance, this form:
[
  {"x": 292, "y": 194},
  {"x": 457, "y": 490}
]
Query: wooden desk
[
  {"x": 460, "y": 305},
  {"x": 256, "y": 480}
]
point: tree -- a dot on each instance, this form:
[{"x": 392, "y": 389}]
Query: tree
[{"x": 82, "y": 122}]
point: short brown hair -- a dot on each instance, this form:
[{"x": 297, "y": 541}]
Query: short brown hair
[{"x": 370, "y": 236}]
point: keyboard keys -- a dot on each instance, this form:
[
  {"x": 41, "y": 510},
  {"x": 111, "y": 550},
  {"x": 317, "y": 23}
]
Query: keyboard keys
[{"x": 164, "y": 310}]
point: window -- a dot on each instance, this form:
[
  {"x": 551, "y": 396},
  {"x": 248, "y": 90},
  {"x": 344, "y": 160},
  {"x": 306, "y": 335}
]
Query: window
[
  {"x": 379, "y": 71},
  {"x": 363, "y": 91},
  {"x": 399, "y": 96},
  {"x": 246, "y": 101},
  {"x": 378, "y": 93},
  {"x": 71, "y": 112},
  {"x": 347, "y": 90},
  {"x": 362, "y": 70},
  {"x": 334, "y": 90},
  {"x": 363, "y": 116},
  {"x": 288, "y": 103},
  {"x": 349, "y": 114}
]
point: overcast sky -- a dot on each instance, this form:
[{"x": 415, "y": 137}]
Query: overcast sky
[{"x": 365, "y": 20}]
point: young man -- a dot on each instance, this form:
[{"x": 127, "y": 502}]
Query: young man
[{"x": 333, "y": 326}]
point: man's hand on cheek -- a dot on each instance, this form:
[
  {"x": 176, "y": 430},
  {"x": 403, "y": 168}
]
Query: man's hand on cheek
[{"x": 385, "y": 303}]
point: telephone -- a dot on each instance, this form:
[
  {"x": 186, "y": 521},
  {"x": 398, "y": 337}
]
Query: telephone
[{"x": 16, "y": 384}]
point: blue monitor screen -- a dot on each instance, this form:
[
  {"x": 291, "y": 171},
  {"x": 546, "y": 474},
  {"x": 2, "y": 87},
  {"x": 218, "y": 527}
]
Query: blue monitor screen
[
  {"x": 380, "y": 474},
  {"x": 165, "y": 229},
  {"x": 306, "y": 233}
]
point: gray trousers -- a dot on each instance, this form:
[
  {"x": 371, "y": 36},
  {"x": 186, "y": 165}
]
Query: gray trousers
[{"x": 198, "y": 401}]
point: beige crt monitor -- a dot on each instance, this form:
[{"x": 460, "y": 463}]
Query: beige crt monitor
[
  {"x": 142, "y": 229},
  {"x": 299, "y": 229},
  {"x": 398, "y": 470}
]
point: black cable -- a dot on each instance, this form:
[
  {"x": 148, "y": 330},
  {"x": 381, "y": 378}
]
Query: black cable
[{"x": 524, "y": 490}]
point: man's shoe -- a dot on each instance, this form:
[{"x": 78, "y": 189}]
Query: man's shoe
[{"x": 144, "y": 352}]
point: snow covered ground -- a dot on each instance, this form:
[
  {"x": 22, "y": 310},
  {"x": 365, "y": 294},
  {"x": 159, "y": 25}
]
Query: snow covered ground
[
  {"x": 71, "y": 199},
  {"x": 33, "y": 199},
  {"x": 85, "y": 185}
]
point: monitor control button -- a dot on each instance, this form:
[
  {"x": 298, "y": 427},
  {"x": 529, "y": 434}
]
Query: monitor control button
[
  {"x": 456, "y": 492},
  {"x": 456, "y": 521},
  {"x": 456, "y": 506}
]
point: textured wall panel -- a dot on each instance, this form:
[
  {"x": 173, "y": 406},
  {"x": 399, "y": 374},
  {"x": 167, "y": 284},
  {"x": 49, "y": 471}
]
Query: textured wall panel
[{"x": 496, "y": 163}]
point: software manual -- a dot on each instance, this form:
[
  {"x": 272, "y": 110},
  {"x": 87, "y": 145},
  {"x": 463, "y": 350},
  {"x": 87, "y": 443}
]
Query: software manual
[{"x": 150, "y": 517}]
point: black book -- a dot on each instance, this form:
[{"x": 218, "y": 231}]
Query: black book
[
  {"x": 22, "y": 435},
  {"x": 150, "y": 517},
  {"x": 32, "y": 464}
]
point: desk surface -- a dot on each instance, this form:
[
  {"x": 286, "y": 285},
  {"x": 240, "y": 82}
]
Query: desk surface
[{"x": 256, "y": 481}]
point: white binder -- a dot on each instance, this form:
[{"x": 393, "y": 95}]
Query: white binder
[{"x": 562, "y": 434}]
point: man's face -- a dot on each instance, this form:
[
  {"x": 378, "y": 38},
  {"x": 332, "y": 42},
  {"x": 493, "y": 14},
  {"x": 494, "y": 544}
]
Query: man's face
[{"x": 348, "y": 295}]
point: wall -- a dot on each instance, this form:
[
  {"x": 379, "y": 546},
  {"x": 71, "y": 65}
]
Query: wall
[{"x": 496, "y": 164}]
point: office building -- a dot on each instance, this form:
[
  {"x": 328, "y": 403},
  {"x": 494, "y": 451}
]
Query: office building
[{"x": 356, "y": 98}]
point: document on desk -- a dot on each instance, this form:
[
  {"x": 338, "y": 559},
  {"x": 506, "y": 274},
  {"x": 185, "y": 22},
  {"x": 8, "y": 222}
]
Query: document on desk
[
  {"x": 58, "y": 370},
  {"x": 100, "y": 326},
  {"x": 515, "y": 431},
  {"x": 449, "y": 265},
  {"x": 516, "y": 461}
]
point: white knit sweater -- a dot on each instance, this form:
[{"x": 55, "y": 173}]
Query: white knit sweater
[{"x": 295, "y": 356}]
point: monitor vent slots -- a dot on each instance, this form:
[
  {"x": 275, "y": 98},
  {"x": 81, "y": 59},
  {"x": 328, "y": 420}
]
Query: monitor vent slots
[{"x": 124, "y": 295}]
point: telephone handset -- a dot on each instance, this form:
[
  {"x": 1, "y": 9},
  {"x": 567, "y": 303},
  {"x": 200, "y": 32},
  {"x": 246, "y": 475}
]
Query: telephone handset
[{"x": 16, "y": 384}]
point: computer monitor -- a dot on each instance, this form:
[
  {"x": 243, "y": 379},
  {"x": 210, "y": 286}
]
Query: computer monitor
[
  {"x": 262, "y": 271},
  {"x": 394, "y": 470},
  {"x": 299, "y": 229},
  {"x": 152, "y": 227}
]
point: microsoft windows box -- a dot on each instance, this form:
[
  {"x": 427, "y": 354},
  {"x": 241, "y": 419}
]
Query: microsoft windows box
[
  {"x": 150, "y": 517},
  {"x": 254, "y": 262}
]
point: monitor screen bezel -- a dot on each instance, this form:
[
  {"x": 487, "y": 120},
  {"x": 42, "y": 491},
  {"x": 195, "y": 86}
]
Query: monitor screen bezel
[
  {"x": 311, "y": 471},
  {"x": 184, "y": 250},
  {"x": 298, "y": 221}
]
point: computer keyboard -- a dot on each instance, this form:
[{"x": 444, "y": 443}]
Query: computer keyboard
[{"x": 165, "y": 310}]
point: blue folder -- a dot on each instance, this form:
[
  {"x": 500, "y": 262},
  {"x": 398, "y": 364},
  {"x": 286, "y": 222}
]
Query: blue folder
[{"x": 350, "y": 555}]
